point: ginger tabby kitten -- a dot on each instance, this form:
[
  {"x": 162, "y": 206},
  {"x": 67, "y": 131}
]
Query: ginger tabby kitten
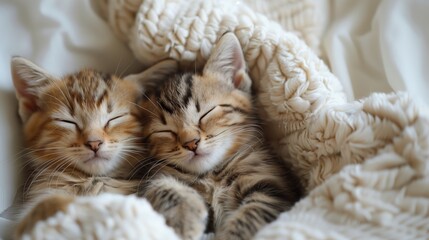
[
  {"x": 210, "y": 170},
  {"x": 82, "y": 135}
]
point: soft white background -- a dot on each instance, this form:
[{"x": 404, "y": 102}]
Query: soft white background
[
  {"x": 372, "y": 45},
  {"x": 379, "y": 45}
]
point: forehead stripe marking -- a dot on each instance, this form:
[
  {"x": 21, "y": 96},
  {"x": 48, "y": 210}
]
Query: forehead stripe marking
[
  {"x": 101, "y": 98},
  {"x": 107, "y": 79},
  {"x": 197, "y": 105},
  {"x": 188, "y": 79},
  {"x": 165, "y": 107}
]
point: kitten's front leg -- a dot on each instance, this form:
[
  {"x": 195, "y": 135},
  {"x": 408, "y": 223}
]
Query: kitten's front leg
[
  {"x": 258, "y": 205},
  {"x": 183, "y": 208},
  {"x": 246, "y": 221},
  {"x": 46, "y": 208}
]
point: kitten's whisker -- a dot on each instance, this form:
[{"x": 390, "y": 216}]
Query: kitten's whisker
[
  {"x": 137, "y": 169},
  {"x": 37, "y": 158},
  {"x": 157, "y": 163},
  {"x": 160, "y": 166},
  {"x": 145, "y": 109},
  {"x": 55, "y": 171},
  {"x": 67, "y": 98},
  {"x": 126, "y": 68},
  {"x": 150, "y": 100},
  {"x": 24, "y": 155},
  {"x": 32, "y": 176},
  {"x": 42, "y": 171},
  {"x": 144, "y": 163},
  {"x": 126, "y": 156},
  {"x": 117, "y": 66},
  {"x": 58, "y": 102},
  {"x": 131, "y": 139}
]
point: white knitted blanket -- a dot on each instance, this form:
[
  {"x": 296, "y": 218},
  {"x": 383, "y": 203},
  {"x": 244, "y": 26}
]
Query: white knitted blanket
[{"x": 364, "y": 163}]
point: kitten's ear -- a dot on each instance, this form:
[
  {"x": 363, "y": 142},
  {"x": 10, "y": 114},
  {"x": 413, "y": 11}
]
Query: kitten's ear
[
  {"x": 153, "y": 75},
  {"x": 28, "y": 79},
  {"x": 227, "y": 58}
]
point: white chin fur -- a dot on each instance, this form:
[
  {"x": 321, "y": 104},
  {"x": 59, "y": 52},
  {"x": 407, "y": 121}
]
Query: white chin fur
[
  {"x": 203, "y": 164},
  {"x": 99, "y": 166}
]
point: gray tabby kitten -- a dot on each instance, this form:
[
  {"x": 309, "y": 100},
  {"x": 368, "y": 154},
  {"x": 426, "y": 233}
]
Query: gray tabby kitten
[{"x": 209, "y": 168}]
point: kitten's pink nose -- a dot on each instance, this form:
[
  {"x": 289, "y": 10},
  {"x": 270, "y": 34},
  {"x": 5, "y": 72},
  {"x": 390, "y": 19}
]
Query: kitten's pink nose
[
  {"x": 192, "y": 145},
  {"x": 94, "y": 145}
]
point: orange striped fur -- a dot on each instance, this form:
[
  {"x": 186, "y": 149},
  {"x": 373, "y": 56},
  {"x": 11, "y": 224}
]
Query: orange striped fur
[{"x": 82, "y": 136}]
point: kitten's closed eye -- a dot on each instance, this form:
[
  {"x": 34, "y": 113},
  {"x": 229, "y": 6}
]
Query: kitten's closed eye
[
  {"x": 67, "y": 123},
  {"x": 218, "y": 113},
  {"x": 114, "y": 120},
  {"x": 205, "y": 114}
]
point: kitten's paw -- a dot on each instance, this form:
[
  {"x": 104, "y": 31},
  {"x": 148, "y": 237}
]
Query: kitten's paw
[
  {"x": 183, "y": 208},
  {"x": 188, "y": 219},
  {"x": 238, "y": 228},
  {"x": 42, "y": 211}
]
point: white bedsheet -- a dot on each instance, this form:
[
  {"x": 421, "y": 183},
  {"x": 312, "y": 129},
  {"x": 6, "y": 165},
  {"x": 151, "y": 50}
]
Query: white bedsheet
[{"x": 377, "y": 45}]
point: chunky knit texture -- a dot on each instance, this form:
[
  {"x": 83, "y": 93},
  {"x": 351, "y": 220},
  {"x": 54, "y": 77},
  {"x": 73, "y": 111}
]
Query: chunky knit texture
[{"x": 106, "y": 217}]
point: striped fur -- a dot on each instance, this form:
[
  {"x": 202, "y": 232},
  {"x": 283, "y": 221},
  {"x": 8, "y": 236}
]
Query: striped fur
[
  {"x": 82, "y": 136},
  {"x": 209, "y": 168}
]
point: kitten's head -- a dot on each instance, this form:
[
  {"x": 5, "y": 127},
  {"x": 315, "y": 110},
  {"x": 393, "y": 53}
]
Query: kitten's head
[
  {"x": 196, "y": 121},
  {"x": 84, "y": 121}
]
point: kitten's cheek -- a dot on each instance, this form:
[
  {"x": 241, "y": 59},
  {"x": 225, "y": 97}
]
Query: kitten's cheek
[{"x": 109, "y": 150}]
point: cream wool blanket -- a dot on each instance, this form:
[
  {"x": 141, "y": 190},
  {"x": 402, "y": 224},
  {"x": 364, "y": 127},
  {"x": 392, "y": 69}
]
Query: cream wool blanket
[{"x": 364, "y": 163}]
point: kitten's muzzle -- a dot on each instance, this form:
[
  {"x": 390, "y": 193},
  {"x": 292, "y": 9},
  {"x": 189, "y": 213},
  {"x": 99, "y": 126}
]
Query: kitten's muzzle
[
  {"x": 94, "y": 145},
  {"x": 192, "y": 145}
]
